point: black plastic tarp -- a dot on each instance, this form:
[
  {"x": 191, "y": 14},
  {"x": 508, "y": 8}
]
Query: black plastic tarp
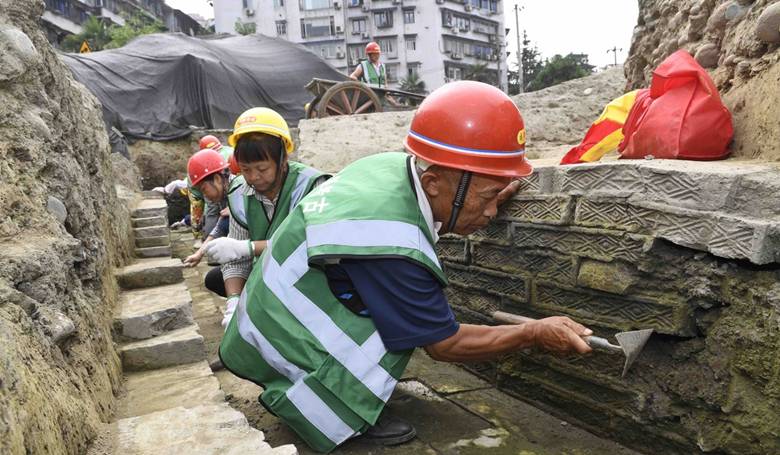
[{"x": 158, "y": 85}]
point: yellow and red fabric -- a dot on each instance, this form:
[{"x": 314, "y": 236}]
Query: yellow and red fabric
[{"x": 605, "y": 133}]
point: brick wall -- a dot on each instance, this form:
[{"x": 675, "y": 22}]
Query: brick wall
[{"x": 688, "y": 249}]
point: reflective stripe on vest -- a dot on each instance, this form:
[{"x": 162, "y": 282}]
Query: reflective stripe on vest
[{"x": 325, "y": 371}]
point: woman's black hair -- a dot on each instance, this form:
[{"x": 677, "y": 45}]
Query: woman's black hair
[{"x": 253, "y": 147}]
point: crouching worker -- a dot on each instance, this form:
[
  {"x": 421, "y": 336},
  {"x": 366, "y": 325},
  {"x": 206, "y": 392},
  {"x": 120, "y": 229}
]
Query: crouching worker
[
  {"x": 350, "y": 283},
  {"x": 209, "y": 176},
  {"x": 260, "y": 199}
]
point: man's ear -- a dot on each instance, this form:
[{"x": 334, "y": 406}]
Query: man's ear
[{"x": 431, "y": 181}]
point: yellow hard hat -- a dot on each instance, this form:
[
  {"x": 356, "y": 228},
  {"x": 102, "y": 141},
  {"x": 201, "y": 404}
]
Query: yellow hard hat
[{"x": 262, "y": 120}]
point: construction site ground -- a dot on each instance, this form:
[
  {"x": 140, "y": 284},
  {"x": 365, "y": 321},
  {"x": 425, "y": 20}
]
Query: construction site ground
[{"x": 453, "y": 411}]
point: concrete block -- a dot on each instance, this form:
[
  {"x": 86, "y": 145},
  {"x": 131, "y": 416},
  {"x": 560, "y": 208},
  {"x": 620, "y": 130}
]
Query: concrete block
[
  {"x": 546, "y": 209},
  {"x": 185, "y": 386},
  {"x": 597, "y": 244},
  {"x": 608, "y": 213},
  {"x": 669, "y": 316},
  {"x": 153, "y": 241},
  {"x": 145, "y": 313},
  {"x": 149, "y": 208},
  {"x": 151, "y": 231},
  {"x": 452, "y": 248},
  {"x": 178, "y": 347},
  {"x": 150, "y": 272},
  {"x": 498, "y": 232},
  {"x": 153, "y": 252},
  {"x": 757, "y": 195},
  {"x": 498, "y": 284},
  {"x": 149, "y": 194},
  {"x": 208, "y": 429},
  {"x": 150, "y": 221},
  {"x": 545, "y": 264},
  {"x": 612, "y": 277}
]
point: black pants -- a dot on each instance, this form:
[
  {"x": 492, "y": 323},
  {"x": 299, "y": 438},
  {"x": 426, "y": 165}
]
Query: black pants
[{"x": 214, "y": 282}]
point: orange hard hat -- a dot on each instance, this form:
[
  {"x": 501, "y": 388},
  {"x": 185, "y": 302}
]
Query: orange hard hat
[
  {"x": 471, "y": 126},
  {"x": 203, "y": 164},
  {"x": 233, "y": 165},
  {"x": 209, "y": 142},
  {"x": 373, "y": 48}
]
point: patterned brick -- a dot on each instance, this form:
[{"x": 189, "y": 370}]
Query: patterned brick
[
  {"x": 494, "y": 283},
  {"x": 479, "y": 302},
  {"x": 600, "y": 178},
  {"x": 538, "y": 209},
  {"x": 606, "y": 212},
  {"x": 498, "y": 232},
  {"x": 593, "y": 243},
  {"x": 452, "y": 248},
  {"x": 513, "y": 260},
  {"x": 617, "y": 313}
]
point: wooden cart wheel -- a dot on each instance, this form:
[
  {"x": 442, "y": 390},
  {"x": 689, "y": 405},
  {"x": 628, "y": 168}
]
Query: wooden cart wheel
[{"x": 348, "y": 98}]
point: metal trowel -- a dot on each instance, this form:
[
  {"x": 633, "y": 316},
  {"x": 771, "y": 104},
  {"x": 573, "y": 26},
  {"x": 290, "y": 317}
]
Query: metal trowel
[{"x": 629, "y": 343}]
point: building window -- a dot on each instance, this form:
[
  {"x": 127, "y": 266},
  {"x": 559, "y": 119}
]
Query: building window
[
  {"x": 328, "y": 51},
  {"x": 278, "y": 3},
  {"x": 408, "y": 16},
  {"x": 411, "y": 43},
  {"x": 455, "y": 20},
  {"x": 391, "y": 70},
  {"x": 413, "y": 70},
  {"x": 356, "y": 53},
  {"x": 355, "y": 2},
  {"x": 388, "y": 46},
  {"x": 383, "y": 19},
  {"x": 314, "y": 4},
  {"x": 358, "y": 26},
  {"x": 454, "y": 74},
  {"x": 281, "y": 28},
  {"x": 317, "y": 27},
  {"x": 245, "y": 4}
]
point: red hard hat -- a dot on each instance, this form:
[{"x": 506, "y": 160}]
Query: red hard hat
[
  {"x": 203, "y": 164},
  {"x": 209, "y": 142},
  {"x": 471, "y": 126},
  {"x": 372, "y": 48},
  {"x": 233, "y": 165}
]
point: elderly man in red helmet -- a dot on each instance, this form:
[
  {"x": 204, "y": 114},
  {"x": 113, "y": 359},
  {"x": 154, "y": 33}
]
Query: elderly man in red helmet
[{"x": 350, "y": 284}]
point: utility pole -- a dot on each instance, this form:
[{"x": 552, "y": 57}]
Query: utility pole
[
  {"x": 519, "y": 50},
  {"x": 615, "y": 50}
]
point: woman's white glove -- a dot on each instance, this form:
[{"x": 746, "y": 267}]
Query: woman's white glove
[
  {"x": 225, "y": 249},
  {"x": 230, "y": 307}
]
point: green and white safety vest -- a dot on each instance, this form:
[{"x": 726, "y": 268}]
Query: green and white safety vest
[
  {"x": 370, "y": 75},
  {"x": 325, "y": 370},
  {"x": 250, "y": 213}
]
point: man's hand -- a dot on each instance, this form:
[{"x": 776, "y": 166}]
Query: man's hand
[
  {"x": 560, "y": 335},
  {"x": 225, "y": 249},
  {"x": 224, "y": 213},
  {"x": 508, "y": 192},
  {"x": 194, "y": 259}
]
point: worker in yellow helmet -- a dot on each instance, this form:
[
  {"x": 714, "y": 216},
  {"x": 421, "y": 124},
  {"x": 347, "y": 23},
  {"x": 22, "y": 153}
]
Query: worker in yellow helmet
[{"x": 269, "y": 187}]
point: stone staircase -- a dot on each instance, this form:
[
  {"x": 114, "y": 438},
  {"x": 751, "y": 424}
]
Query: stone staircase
[{"x": 172, "y": 402}]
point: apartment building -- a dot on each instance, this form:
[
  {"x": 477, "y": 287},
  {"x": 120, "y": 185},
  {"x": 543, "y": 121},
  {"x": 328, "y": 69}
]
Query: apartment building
[
  {"x": 64, "y": 17},
  {"x": 438, "y": 40}
]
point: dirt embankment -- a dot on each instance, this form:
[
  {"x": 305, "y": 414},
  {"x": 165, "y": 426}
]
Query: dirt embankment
[
  {"x": 738, "y": 42},
  {"x": 62, "y": 228}
]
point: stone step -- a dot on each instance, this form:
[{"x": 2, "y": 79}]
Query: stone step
[
  {"x": 208, "y": 429},
  {"x": 184, "y": 386},
  {"x": 178, "y": 347},
  {"x": 146, "y": 273},
  {"x": 145, "y": 313},
  {"x": 150, "y": 221},
  {"x": 151, "y": 231},
  {"x": 150, "y": 207},
  {"x": 149, "y": 194},
  {"x": 153, "y": 252},
  {"x": 153, "y": 241}
]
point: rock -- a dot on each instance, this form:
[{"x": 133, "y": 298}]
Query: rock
[
  {"x": 177, "y": 347},
  {"x": 708, "y": 55},
  {"x": 153, "y": 311},
  {"x": 57, "y": 209},
  {"x": 17, "y": 53},
  {"x": 150, "y": 272},
  {"x": 55, "y": 324},
  {"x": 587, "y": 91},
  {"x": 768, "y": 25}
]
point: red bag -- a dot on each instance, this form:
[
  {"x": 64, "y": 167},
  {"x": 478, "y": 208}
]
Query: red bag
[{"x": 681, "y": 116}]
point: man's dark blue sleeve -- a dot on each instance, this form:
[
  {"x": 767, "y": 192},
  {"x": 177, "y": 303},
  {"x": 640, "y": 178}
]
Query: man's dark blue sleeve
[{"x": 405, "y": 301}]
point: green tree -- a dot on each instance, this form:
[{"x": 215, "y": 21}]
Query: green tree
[
  {"x": 413, "y": 84},
  {"x": 513, "y": 81},
  {"x": 480, "y": 73},
  {"x": 532, "y": 61},
  {"x": 245, "y": 28},
  {"x": 561, "y": 69},
  {"x": 135, "y": 26},
  {"x": 94, "y": 31}
]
